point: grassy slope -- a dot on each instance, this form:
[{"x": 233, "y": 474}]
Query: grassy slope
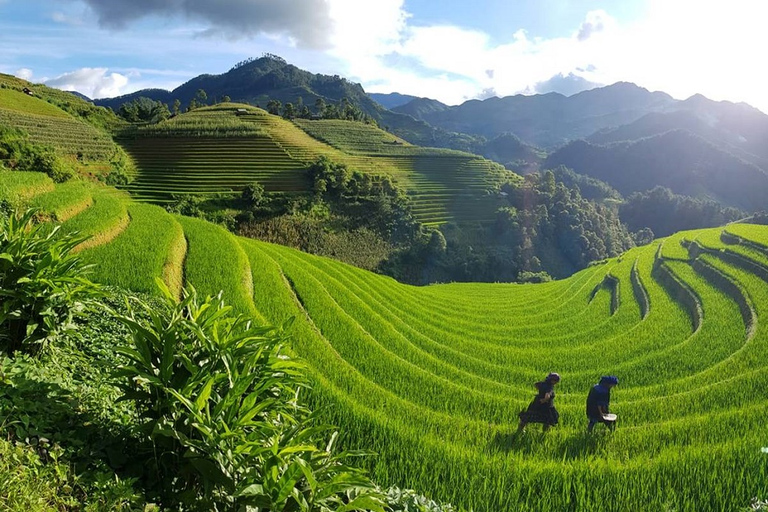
[
  {"x": 432, "y": 378},
  {"x": 224, "y": 149},
  {"x": 79, "y": 131}
]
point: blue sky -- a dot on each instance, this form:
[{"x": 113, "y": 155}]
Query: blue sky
[{"x": 450, "y": 50}]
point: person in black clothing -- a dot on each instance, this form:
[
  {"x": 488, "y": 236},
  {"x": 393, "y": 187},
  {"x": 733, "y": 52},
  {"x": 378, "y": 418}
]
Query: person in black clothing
[
  {"x": 542, "y": 408},
  {"x": 598, "y": 401}
]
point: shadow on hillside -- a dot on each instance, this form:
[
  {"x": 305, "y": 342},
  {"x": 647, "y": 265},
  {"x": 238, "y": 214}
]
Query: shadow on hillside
[{"x": 533, "y": 441}]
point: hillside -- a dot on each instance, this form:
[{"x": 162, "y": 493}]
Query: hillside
[
  {"x": 432, "y": 378},
  {"x": 77, "y": 131},
  {"x": 270, "y": 78},
  {"x": 679, "y": 160},
  {"x": 228, "y": 146}
]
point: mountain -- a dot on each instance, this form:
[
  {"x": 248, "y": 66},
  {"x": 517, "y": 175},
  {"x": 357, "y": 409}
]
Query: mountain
[
  {"x": 678, "y": 159},
  {"x": 421, "y": 107},
  {"x": 549, "y": 120},
  {"x": 734, "y": 127},
  {"x": 391, "y": 100},
  {"x": 81, "y": 96},
  {"x": 257, "y": 81}
]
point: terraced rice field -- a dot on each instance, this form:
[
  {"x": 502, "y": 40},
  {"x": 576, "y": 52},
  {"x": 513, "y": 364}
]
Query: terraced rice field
[
  {"x": 432, "y": 378},
  {"x": 226, "y": 147},
  {"x": 49, "y": 125},
  {"x": 208, "y": 165}
]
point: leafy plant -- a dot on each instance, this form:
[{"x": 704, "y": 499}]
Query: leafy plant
[
  {"x": 407, "y": 500},
  {"x": 219, "y": 398},
  {"x": 41, "y": 282}
]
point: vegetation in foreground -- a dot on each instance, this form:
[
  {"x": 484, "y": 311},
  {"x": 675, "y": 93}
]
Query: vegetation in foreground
[
  {"x": 433, "y": 377},
  {"x": 157, "y": 404}
]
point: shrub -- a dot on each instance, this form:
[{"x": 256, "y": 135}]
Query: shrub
[
  {"x": 223, "y": 425},
  {"x": 41, "y": 282}
]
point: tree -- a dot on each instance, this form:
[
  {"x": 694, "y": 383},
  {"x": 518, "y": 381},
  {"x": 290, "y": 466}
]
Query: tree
[
  {"x": 253, "y": 194},
  {"x": 202, "y": 96},
  {"x": 176, "y": 106},
  {"x": 274, "y": 107},
  {"x": 320, "y": 106},
  {"x": 159, "y": 113},
  {"x": 226, "y": 99},
  {"x": 289, "y": 112}
]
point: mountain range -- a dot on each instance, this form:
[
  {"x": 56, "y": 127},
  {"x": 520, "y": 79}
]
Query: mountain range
[{"x": 623, "y": 134}]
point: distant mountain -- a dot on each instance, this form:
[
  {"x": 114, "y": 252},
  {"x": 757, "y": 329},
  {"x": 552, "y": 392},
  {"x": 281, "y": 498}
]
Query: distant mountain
[
  {"x": 421, "y": 107},
  {"x": 733, "y": 127},
  {"x": 391, "y": 100},
  {"x": 679, "y": 160},
  {"x": 81, "y": 96},
  {"x": 550, "y": 120}
]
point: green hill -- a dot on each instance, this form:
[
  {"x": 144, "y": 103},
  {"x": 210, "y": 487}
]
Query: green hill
[
  {"x": 78, "y": 131},
  {"x": 230, "y": 145},
  {"x": 432, "y": 378}
]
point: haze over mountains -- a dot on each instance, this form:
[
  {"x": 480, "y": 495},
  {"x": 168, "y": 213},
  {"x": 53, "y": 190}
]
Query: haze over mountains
[{"x": 629, "y": 137}]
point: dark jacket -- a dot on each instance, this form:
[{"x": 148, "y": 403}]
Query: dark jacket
[{"x": 599, "y": 396}]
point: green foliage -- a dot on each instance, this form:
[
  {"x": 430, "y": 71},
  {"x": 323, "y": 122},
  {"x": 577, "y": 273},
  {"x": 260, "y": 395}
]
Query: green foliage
[
  {"x": 19, "y": 153},
  {"x": 360, "y": 247},
  {"x": 29, "y": 484},
  {"x": 42, "y": 287},
  {"x": 61, "y": 409},
  {"x": 219, "y": 400},
  {"x": 144, "y": 110},
  {"x": 407, "y": 500},
  {"x": 665, "y": 213},
  {"x": 367, "y": 200},
  {"x": 590, "y": 188},
  {"x": 545, "y": 229},
  {"x": 253, "y": 194}
]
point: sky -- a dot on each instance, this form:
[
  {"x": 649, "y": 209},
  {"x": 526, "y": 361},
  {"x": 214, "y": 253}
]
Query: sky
[{"x": 449, "y": 50}]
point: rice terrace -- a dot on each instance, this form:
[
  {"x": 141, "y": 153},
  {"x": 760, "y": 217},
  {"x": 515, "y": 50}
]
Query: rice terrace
[{"x": 430, "y": 380}]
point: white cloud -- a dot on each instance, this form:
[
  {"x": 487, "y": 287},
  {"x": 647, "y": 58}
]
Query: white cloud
[
  {"x": 93, "y": 82},
  {"x": 678, "y": 46},
  {"x": 24, "y": 74},
  {"x": 66, "y": 19}
]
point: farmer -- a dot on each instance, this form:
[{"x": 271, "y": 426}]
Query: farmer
[
  {"x": 598, "y": 400},
  {"x": 542, "y": 408}
]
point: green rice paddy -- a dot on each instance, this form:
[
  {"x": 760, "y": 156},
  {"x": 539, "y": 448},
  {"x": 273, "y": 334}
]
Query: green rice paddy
[
  {"x": 432, "y": 378},
  {"x": 225, "y": 147}
]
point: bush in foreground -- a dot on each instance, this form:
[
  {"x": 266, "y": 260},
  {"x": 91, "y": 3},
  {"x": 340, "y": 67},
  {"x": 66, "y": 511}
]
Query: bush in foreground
[
  {"x": 41, "y": 283},
  {"x": 221, "y": 419}
]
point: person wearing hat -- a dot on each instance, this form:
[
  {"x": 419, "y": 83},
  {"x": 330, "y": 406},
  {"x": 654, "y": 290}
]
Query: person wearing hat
[
  {"x": 599, "y": 400},
  {"x": 542, "y": 408}
]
